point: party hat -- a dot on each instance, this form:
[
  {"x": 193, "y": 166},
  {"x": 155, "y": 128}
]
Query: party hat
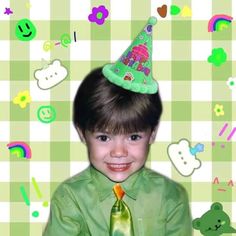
[{"x": 133, "y": 70}]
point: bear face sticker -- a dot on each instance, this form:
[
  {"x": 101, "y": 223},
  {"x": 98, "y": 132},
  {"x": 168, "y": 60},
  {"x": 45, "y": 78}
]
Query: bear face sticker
[{"x": 214, "y": 222}]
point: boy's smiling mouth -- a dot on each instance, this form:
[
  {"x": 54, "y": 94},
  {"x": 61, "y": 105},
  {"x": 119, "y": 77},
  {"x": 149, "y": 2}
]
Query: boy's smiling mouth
[{"x": 119, "y": 167}]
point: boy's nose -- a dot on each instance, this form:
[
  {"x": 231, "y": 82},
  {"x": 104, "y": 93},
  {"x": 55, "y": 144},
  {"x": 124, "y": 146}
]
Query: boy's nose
[{"x": 119, "y": 150}]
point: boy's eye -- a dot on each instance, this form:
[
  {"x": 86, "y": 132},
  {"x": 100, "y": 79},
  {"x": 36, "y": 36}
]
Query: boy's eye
[
  {"x": 135, "y": 137},
  {"x": 102, "y": 138}
]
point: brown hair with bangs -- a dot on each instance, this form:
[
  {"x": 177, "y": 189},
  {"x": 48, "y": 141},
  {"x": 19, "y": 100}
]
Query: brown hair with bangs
[{"x": 100, "y": 105}]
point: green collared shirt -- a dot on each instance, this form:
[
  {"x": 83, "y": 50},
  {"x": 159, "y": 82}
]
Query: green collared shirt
[{"x": 81, "y": 205}]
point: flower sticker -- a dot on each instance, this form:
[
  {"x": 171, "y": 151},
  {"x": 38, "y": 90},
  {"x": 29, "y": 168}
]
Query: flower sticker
[
  {"x": 232, "y": 83},
  {"x": 22, "y": 99},
  {"x": 98, "y": 15},
  {"x": 219, "y": 110},
  {"x": 217, "y": 57}
]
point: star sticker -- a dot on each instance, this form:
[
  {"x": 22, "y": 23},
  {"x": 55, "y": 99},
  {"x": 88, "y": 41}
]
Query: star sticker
[{"x": 8, "y": 11}]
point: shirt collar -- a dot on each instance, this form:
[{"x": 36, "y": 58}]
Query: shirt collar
[{"x": 104, "y": 185}]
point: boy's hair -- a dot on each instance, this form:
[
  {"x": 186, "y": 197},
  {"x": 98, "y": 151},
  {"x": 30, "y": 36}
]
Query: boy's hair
[{"x": 102, "y": 106}]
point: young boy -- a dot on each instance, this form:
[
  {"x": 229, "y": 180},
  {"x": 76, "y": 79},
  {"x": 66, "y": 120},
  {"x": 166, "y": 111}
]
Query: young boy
[{"x": 117, "y": 119}]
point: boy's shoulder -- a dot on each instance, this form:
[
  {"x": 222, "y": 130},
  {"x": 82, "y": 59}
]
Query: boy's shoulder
[
  {"x": 158, "y": 181},
  {"x": 69, "y": 184},
  {"x": 81, "y": 176}
]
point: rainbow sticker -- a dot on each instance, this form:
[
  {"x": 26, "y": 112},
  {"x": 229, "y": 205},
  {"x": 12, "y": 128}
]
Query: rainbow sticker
[
  {"x": 219, "y": 22},
  {"x": 20, "y": 149}
]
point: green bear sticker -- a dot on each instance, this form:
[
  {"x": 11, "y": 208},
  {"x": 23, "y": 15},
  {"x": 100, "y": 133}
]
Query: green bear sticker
[{"x": 214, "y": 222}]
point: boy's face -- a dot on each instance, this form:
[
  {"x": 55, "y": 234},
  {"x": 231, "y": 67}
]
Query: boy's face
[{"x": 118, "y": 156}]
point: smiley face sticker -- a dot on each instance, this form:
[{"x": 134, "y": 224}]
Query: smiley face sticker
[
  {"x": 46, "y": 114},
  {"x": 25, "y": 30}
]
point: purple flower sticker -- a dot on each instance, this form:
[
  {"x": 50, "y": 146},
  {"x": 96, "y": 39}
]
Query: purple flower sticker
[{"x": 98, "y": 15}]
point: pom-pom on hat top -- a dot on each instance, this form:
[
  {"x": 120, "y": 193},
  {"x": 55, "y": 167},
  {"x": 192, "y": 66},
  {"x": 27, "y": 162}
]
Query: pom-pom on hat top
[{"x": 133, "y": 70}]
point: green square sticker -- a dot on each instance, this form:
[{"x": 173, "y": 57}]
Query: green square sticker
[
  {"x": 5, "y": 30},
  {"x": 22, "y": 134},
  {"x": 101, "y": 50},
  {"x": 23, "y": 228},
  {"x": 19, "y": 114},
  {"x": 181, "y": 70},
  {"x": 197, "y": 192},
  {"x": 181, "y": 111},
  {"x": 60, "y": 171},
  {"x": 225, "y": 34},
  {"x": 181, "y": 50},
  {"x": 136, "y": 27},
  {"x": 101, "y": 33},
  {"x": 18, "y": 190},
  {"x": 188, "y": 188},
  {"x": 181, "y": 30},
  {"x": 221, "y": 151},
  {"x": 222, "y": 72},
  {"x": 5, "y": 192},
  {"x": 60, "y": 11},
  {"x": 19, "y": 70},
  {"x": 62, "y": 110},
  {"x": 60, "y": 151},
  {"x": 177, "y": 91},
  {"x": 58, "y": 28},
  {"x": 120, "y": 30},
  {"x": 60, "y": 131},
  {"x": 180, "y": 130},
  {"x": 53, "y": 186},
  {"x": 5, "y": 70},
  {"x": 5, "y": 111},
  {"x": 78, "y": 147},
  {"x": 201, "y": 111}
]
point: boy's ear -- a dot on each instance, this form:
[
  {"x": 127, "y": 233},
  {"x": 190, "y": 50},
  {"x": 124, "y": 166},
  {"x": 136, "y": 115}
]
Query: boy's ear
[
  {"x": 81, "y": 136},
  {"x": 153, "y": 135}
]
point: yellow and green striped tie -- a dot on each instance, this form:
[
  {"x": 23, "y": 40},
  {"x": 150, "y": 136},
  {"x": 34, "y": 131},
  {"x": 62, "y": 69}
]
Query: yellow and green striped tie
[{"x": 121, "y": 219}]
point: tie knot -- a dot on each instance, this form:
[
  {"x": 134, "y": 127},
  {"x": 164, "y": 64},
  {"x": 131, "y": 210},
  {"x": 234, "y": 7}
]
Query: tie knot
[{"x": 119, "y": 192}]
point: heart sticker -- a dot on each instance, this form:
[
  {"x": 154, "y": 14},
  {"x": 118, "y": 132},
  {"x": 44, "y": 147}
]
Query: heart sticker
[{"x": 162, "y": 11}]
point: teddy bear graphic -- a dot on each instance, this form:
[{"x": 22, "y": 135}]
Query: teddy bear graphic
[{"x": 214, "y": 222}]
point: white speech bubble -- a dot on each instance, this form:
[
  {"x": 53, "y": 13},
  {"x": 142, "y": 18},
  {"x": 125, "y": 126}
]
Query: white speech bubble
[
  {"x": 49, "y": 77},
  {"x": 181, "y": 157}
]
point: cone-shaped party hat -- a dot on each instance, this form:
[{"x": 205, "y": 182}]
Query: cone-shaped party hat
[{"x": 133, "y": 70}]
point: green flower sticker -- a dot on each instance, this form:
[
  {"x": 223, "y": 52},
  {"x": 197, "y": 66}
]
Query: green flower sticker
[
  {"x": 217, "y": 57},
  {"x": 219, "y": 110}
]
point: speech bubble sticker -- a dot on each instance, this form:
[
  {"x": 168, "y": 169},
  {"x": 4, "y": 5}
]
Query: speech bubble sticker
[
  {"x": 50, "y": 75},
  {"x": 183, "y": 157}
]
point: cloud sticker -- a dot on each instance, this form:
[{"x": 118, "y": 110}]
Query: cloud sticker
[
  {"x": 50, "y": 76},
  {"x": 183, "y": 156}
]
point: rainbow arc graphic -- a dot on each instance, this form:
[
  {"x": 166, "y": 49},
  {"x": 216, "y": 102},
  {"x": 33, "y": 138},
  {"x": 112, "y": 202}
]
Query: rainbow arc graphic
[
  {"x": 219, "y": 22},
  {"x": 20, "y": 149}
]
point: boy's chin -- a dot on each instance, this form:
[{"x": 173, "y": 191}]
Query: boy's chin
[{"x": 117, "y": 179}]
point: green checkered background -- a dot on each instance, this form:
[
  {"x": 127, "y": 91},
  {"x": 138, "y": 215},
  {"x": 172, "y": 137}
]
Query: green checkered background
[{"x": 190, "y": 88}]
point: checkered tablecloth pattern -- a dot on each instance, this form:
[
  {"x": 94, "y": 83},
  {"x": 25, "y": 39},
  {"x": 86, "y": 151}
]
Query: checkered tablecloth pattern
[{"x": 190, "y": 88}]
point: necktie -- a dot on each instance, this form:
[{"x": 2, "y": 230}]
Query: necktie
[{"x": 121, "y": 220}]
